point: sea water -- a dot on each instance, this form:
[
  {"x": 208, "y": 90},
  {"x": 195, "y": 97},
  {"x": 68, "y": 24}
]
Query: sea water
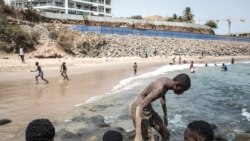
[{"x": 215, "y": 96}]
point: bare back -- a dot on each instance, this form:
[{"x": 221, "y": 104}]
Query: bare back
[{"x": 155, "y": 90}]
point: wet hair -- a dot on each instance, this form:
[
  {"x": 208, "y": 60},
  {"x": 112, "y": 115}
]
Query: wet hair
[
  {"x": 202, "y": 128},
  {"x": 112, "y": 135},
  {"x": 183, "y": 80},
  {"x": 37, "y": 63},
  {"x": 40, "y": 130}
]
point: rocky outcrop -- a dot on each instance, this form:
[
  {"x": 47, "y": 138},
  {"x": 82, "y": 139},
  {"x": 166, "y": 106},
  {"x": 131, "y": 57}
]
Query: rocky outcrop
[{"x": 127, "y": 46}]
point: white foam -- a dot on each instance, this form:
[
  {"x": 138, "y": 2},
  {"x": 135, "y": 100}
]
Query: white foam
[
  {"x": 245, "y": 113},
  {"x": 110, "y": 119},
  {"x": 177, "y": 121},
  {"x": 130, "y": 82}
]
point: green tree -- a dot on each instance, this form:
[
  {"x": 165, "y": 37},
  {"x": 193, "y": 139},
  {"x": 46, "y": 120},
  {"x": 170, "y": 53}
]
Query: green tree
[
  {"x": 174, "y": 16},
  {"x": 187, "y": 15},
  {"x": 139, "y": 17},
  {"x": 211, "y": 24},
  {"x": 180, "y": 19}
]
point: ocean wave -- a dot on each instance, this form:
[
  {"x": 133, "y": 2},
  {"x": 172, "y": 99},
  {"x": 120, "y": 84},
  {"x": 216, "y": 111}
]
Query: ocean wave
[{"x": 245, "y": 114}]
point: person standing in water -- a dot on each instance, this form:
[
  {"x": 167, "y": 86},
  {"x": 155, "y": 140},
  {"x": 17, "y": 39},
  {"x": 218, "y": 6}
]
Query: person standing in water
[
  {"x": 192, "y": 67},
  {"x": 224, "y": 67},
  {"x": 64, "y": 71},
  {"x": 40, "y": 73},
  {"x": 232, "y": 61},
  {"x": 142, "y": 113},
  {"x": 135, "y": 68}
]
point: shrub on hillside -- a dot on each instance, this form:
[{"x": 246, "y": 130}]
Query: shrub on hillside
[
  {"x": 30, "y": 14},
  {"x": 15, "y": 38},
  {"x": 53, "y": 35},
  {"x": 66, "y": 42},
  {"x": 35, "y": 35}
]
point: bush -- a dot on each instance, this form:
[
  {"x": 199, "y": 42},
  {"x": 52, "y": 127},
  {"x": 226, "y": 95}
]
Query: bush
[
  {"x": 30, "y": 14},
  {"x": 53, "y": 35},
  {"x": 66, "y": 42},
  {"x": 35, "y": 35}
]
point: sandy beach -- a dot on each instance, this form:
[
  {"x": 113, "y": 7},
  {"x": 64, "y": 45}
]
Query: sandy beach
[{"x": 22, "y": 100}]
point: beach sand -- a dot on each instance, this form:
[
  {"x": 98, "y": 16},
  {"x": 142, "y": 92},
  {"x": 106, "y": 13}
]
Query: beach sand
[{"x": 22, "y": 100}]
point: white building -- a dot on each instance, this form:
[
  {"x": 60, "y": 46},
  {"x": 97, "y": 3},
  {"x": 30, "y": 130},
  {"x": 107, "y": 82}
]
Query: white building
[{"x": 78, "y": 7}]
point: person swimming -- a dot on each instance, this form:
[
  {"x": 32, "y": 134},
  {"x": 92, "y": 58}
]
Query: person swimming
[{"x": 224, "y": 67}]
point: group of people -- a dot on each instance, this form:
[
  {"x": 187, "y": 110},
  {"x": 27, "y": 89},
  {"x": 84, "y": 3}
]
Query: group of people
[
  {"x": 223, "y": 67},
  {"x": 43, "y": 130},
  {"x": 143, "y": 115},
  {"x": 63, "y": 71}
]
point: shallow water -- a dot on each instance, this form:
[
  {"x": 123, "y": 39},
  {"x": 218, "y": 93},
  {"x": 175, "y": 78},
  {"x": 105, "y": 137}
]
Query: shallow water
[{"x": 215, "y": 96}]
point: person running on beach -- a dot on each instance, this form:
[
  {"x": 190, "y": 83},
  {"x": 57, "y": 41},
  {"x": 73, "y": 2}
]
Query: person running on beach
[
  {"x": 142, "y": 113},
  {"x": 135, "y": 68},
  {"x": 63, "y": 71},
  {"x": 40, "y": 73}
]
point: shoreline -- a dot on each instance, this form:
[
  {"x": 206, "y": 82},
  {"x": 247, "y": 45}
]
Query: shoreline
[{"x": 27, "y": 100}]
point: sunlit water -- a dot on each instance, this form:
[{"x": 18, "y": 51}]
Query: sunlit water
[{"x": 215, "y": 96}]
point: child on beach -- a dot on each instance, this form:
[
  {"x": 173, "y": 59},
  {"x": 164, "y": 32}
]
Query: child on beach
[
  {"x": 142, "y": 113},
  {"x": 40, "y": 73},
  {"x": 192, "y": 67},
  {"x": 135, "y": 68},
  {"x": 63, "y": 71}
]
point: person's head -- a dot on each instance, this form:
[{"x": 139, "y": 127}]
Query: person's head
[
  {"x": 37, "y": 63},
  {"x": 223, "y": 64},
  {"x": 182, "y": 83},
  {"x": 63, "y": 63},
  {"x": 192, "y": 62},
  {"x": 199, "y": 131},
  {"x": 40, "y": 130},
  {"x": 135, "y": 63},
  {"x": 112, "y": 135}
]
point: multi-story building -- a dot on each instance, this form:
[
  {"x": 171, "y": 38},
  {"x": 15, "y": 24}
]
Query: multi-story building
[{"x": 78, "y": 7}]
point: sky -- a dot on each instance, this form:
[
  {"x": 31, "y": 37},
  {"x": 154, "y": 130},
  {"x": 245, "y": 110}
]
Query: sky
[{"x": 202, "y": 9}]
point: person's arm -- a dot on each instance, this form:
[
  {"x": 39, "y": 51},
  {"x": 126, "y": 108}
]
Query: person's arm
[
  {"x": 138, "y": 120},
  {"x": 164, "y": 108}
]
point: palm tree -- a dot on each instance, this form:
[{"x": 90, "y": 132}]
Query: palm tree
[{"x": 187, "y": 15}]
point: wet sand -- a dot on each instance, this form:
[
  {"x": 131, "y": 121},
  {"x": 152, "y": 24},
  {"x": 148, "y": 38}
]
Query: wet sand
[{"x": 22, "y": 100}]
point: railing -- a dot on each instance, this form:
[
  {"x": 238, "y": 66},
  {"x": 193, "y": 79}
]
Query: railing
[{"x": 155, "y": 33}]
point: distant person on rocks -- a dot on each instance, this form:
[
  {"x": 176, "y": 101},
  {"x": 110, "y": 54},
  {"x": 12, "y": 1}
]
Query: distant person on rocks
[
  {"x": 224, "y": 67},
  {"x": 40, "y": 130},
  {"x": 21, "y": 54},
  {"x": 112, "y": 135},
  {"x": 199, "y": 131},
  {"x": 135, "y": 68},
  {"x": 142, "y": 113},
  {"x": 40, "y": 73},
  {"x": 63, "y": 71},
  {"x": 215, "y": 65},
  {"x": 179, "y": 59},
  {"x": 232, "y": 61},
  {"x": 205, "y": 64}
]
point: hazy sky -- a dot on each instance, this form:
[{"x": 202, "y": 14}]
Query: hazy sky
[{"x": 202, "y": 9}]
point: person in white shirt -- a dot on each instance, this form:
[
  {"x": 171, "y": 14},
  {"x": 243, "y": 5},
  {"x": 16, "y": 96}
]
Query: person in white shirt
[{"x": 21, "y": 53}]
